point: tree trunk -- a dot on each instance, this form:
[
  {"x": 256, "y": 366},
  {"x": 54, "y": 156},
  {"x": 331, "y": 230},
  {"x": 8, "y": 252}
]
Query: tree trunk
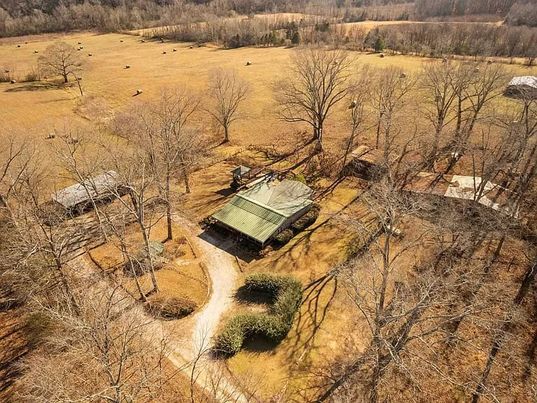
[{"x": 226, "y": 133}]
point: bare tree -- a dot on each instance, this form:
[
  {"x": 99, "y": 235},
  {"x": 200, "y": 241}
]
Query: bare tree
[
  {"x": 162, "y": 129},
  {"x": 357, "y": 101},
  {"x": 15, "y": 161},
  {"x": 228, "y": 92},
  {"x": 61, "y": 59},
  {"x": 389, "y": 95},
  {"x": 111, "y": 345},
  {"x": 139, "y": 183},
  {"x": 318, "y": 81}
]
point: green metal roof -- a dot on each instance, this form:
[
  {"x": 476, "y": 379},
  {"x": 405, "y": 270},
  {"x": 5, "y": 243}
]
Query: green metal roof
[{"x": 260, "y": 211}]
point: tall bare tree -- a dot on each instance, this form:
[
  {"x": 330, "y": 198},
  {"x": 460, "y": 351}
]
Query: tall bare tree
[
  {"x": 61, "y": 59},
  {"x": 228, "y": 92},
  {"x": 163, "y": 130},
  {"x": 318, "y": 81}
]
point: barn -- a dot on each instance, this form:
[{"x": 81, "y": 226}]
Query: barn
[
  {"x": 264, "y": 210},
  {"x": 522, "y": 87},
  {"x": 78, "y": 197},
  {"x": 366, "y": 163}
]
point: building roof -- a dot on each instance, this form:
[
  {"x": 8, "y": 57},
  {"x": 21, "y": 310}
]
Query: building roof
[
  {"x": 368, "y": 154},
  {"x": 524, "y": 81},
  {"x": 97, "y": 187},
  {"x": 260, "y": 211},
  {"x": 463, "y": 187}
]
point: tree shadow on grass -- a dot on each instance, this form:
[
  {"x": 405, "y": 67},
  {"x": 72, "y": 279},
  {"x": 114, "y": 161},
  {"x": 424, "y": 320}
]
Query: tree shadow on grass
[
  {"x": 259, "y": 344},
  {"x": 35, "y": 86}
]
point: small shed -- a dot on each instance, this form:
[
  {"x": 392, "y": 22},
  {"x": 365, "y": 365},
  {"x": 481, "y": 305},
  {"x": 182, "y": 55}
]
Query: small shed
[
  {"x": 522, "y": 87},
  {"x": 78, "y": 197},
  {"x": 264, "y": 210},
  {"x": 366, "y": 163}
]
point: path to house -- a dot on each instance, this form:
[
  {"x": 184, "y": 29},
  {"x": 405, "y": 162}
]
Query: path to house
[{"x": 200, "y": 327}]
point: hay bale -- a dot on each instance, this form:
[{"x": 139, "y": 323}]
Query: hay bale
[
  {"x": 36, "y": 51},
  {"x": 248, "y": 63},
  {"x": 127, "y": 66},
  {"x": 121, "y": 40},
  {"x": 444, "y": 60},
  {"x": 382, "y": 55},
  {"x": 403, "y": 75},
  {"x": 80, "y": 43},
  {"x": 138, "y": 92},
  {"x": 175, "y": 50},
  {"x": 18, "y": 46},
  {"x": 13, "y": 81},
  {"x": 164, "y": 52},
  {"x": 50, "y": 136},
  {"x": 142, "y": 41},
  {"x": 191, "y": 47},
  {"x": 90, "y": 54}
]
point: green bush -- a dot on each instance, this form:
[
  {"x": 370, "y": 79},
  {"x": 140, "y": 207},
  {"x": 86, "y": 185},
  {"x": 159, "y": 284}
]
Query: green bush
[
  {"x": 285, "y": 236},
  {"x": 285, "y": 291},
  {"x": 306, "y": 220}
]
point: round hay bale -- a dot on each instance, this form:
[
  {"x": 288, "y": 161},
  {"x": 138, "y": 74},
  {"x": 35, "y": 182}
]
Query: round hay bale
[
  {"x": 164, "y": 52},
  {"x": 121, "y": 40},
  {"x": 80, "y": 43},
  {"x": 6, "y": 71},
  {"x": 489, "y": 62},
  {"x": 18, "y": 46},
  {"x": 36, "y": 51},
  {"x": 403, "y": 75},
  {"x": 26, "y": 43},
  {"x": 191, "y": 47},
  {"x": 138, "y": 92},
  {"x": 248, "y": 63},
  {"x": 142, "y": 41},
  {"x": 13, "y": 81},
  {"x": 352, "y": 105},
  {"x": 175, "y": 50},
  {"x": 382, "y": 55},
  {"x": 50, "y": 136},
  {"x": 127, "y": 66},
  {"x": 444, "y": 60},
  {"x": 90, "y": 54}
]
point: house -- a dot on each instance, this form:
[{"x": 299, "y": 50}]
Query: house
[
  {"x": 463, "y": 189},
  {"x": 522, "y": 87},
  {"x": 366, "y": 163},
  {"x": 78, "y": 197},
  {"x": 264, "y": 210}
]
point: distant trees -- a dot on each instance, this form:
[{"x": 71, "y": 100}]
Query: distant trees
[
  {"x": 227, "y": 93},
  {"x": 61, "y": 59},
  {"x": 318, "y": 81}
]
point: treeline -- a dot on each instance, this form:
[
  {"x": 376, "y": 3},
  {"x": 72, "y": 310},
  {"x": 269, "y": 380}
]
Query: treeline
[
  {"x": 432, "y": 39},
  {"x": 523, "y": 13},
  {"x": 39, "y": 16},
  {"x": 451, "y": 8}
]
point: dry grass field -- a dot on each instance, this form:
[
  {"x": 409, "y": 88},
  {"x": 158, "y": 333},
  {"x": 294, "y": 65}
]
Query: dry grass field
[{"x": 35, "y": 109}]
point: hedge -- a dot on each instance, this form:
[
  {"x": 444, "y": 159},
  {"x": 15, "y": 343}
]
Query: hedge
[
  {"x": 306, "y": 220},
  {"x": 170, "y": 308},
  {"x": 286, "y": 294}
]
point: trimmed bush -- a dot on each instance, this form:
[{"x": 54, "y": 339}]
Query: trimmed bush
[
  {"x": 170, "y": 308},
  {"x": 306, "y": 220},
  {"x": 285, "y": 291},
  {"x": 285, "y": 236}
]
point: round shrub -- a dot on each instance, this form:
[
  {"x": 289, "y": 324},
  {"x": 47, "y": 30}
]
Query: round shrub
[
  {"x": 306, "y": 220},
  {"x": 285, "y": 236},
  {"x": 170, "y": 308}
]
